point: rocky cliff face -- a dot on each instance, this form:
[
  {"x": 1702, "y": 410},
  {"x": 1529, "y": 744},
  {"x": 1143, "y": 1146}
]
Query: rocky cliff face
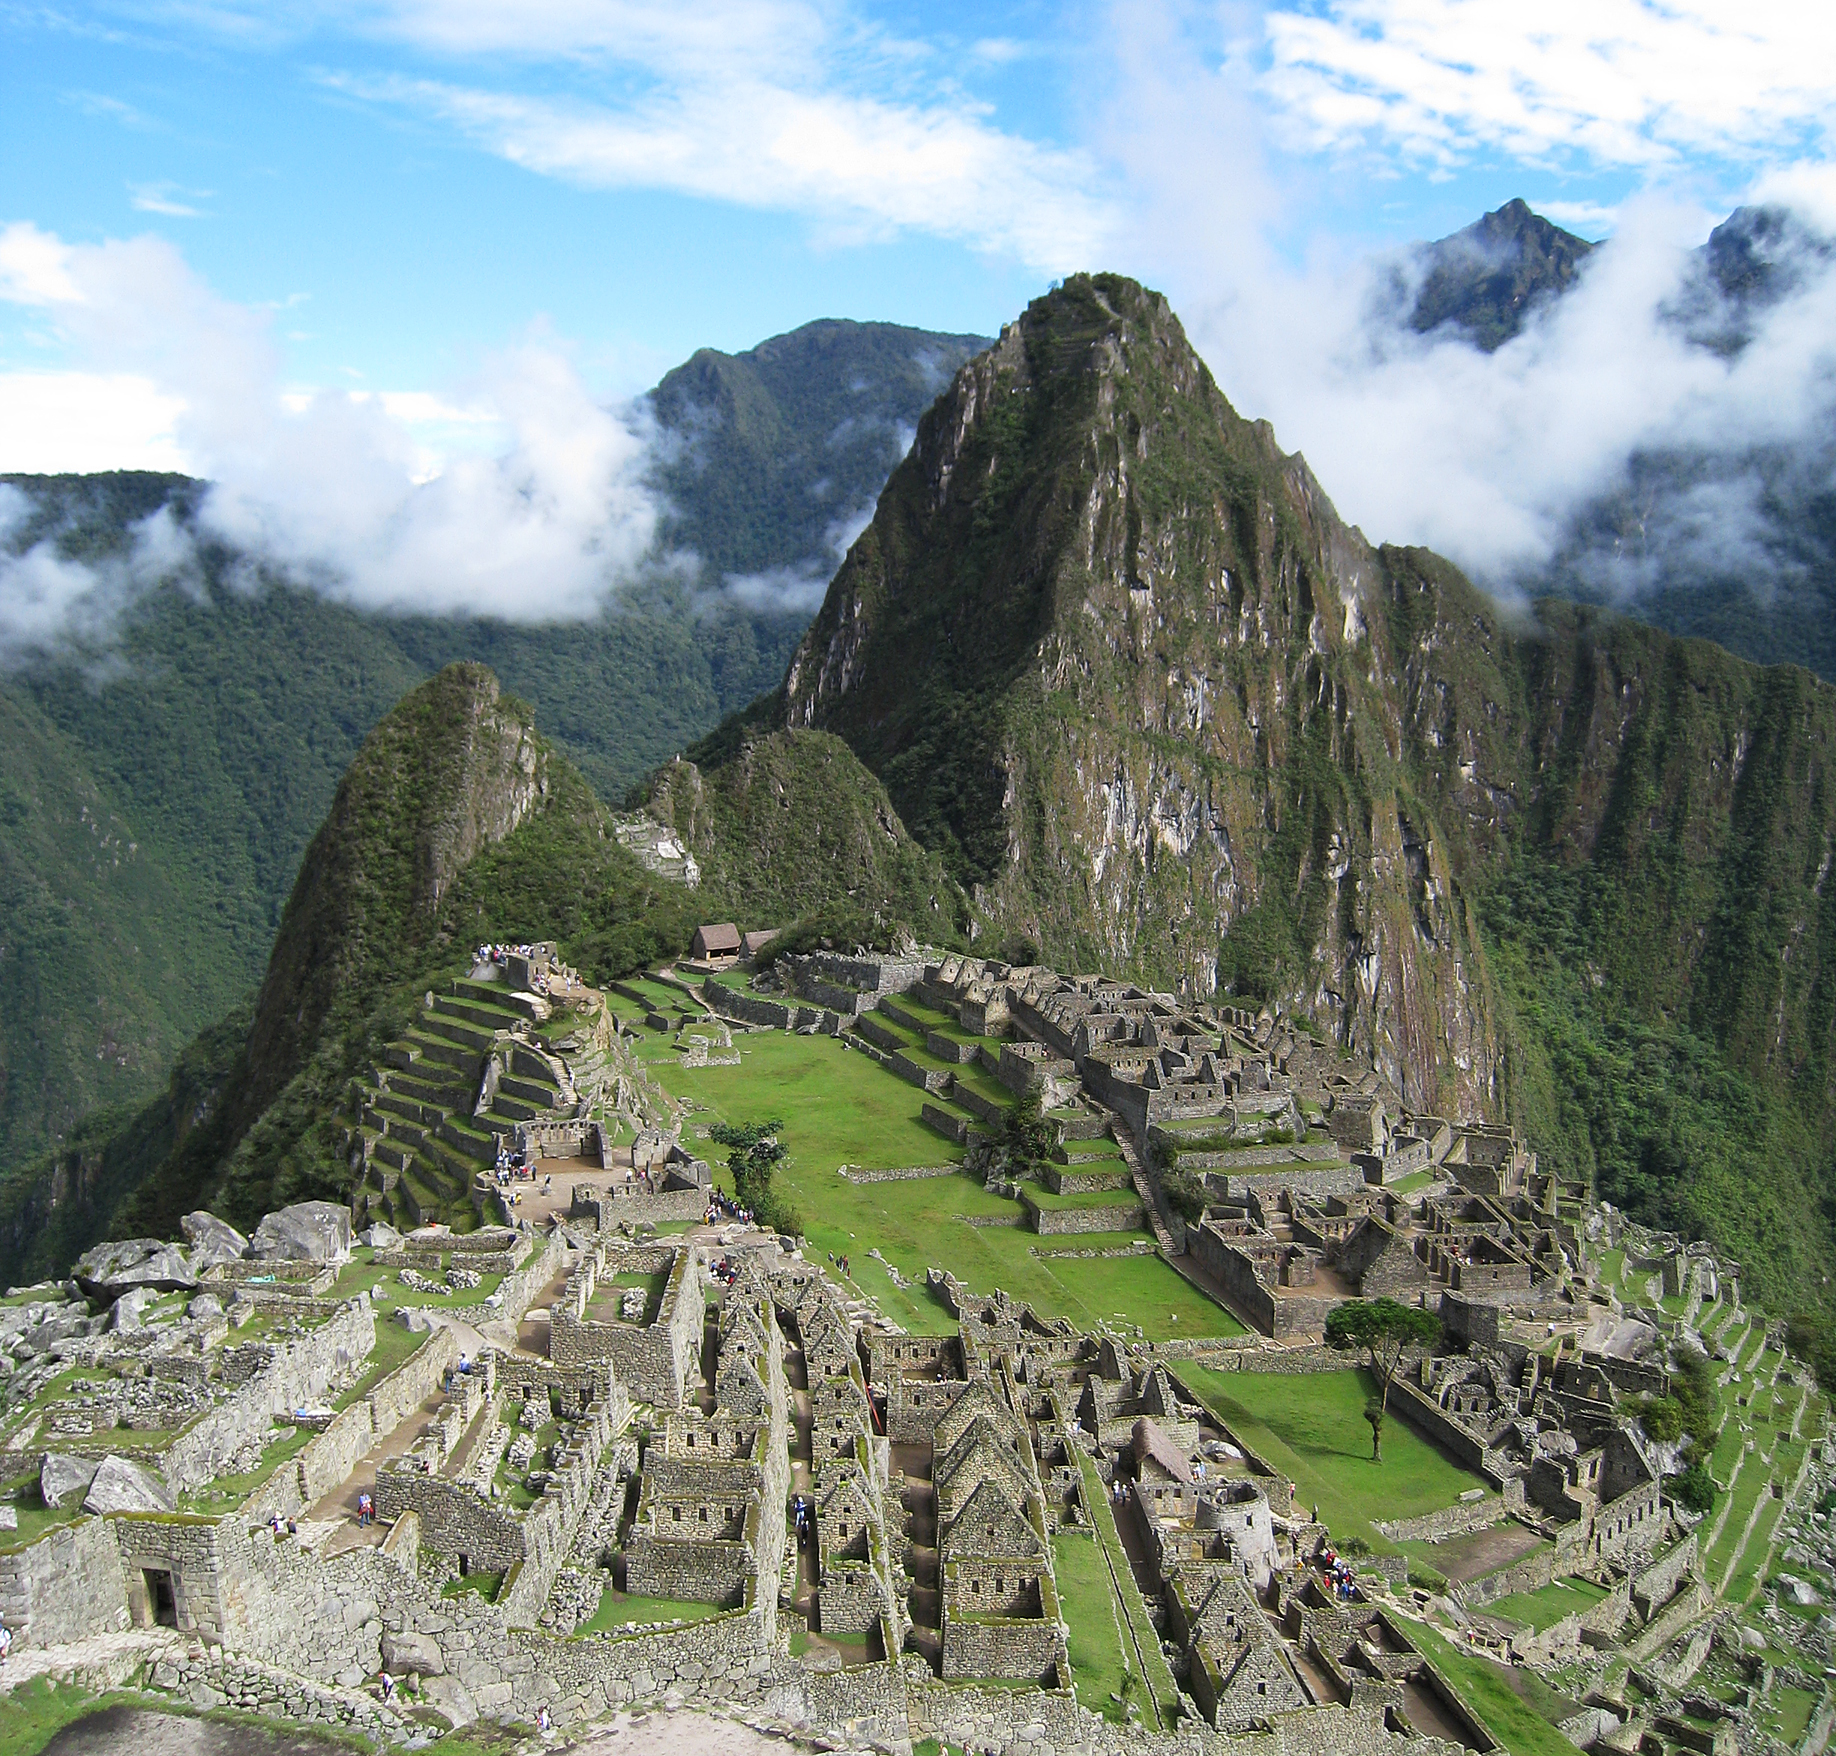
[
  {"x": 1114, "y": 653},
  {"x": 453, "y": 768}
]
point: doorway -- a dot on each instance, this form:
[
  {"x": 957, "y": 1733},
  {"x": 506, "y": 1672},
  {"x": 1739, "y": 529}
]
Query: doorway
[{"x": 162, "y": 1603}]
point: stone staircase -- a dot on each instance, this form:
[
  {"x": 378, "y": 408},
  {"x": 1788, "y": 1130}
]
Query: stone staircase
[{"x": 435, "y": 1108}]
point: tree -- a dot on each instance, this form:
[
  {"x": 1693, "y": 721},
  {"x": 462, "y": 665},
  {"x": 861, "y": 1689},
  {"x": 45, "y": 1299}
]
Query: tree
[
  {"x": 1694, "y": 1488},
  {"x": 1380, "y": 1329},
  {"x": 1027, "y": 1136},
  {"x": 754, "y": 1151}
]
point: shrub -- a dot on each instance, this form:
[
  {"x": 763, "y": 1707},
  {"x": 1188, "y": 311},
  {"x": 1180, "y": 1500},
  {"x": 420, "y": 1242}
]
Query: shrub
[
  {"x": 1662, "y": 1418},
  {"x": 1694, "y": 1488},
  {"x": 1186, "y": 1195}
]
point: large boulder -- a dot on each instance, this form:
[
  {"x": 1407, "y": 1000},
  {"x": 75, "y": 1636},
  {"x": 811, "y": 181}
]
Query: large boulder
[
  {"x": 213, "y": 1241},
  {"x": 310, "y": 1231},
  {"x": 109, "y": 1270},
  {"x": 62, "y": 1478},
  {"x": 380, "y": 1235},
  {"x": 130, "y": 1309},
  {"x": 451, "y": 1699},
  {"x": 409, "y": 1651},
  {"x": 120, "y": 1486}
]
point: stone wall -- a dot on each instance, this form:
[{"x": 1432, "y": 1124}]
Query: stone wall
[
  {"x": 1453, "y": 1521},
  {"x": 1654, "y": 1586},
  {"x": 1001, "y": 1647},
  {"x": 411, "y": 1383},
  {"x": 655, "y": 1360},
  {"x": 1530, "y": 1574},
  {"x": 455, "y": 1519},
  {"x": 1429, "y": 1419},
  {"x": 1054, "y": 1221},
  {"x": 296, "y": 1375},
  {"x": 608, "y": 1210},
  {"x": 66, "y": 1586}
]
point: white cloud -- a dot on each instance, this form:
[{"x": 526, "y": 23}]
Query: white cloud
[
  {"x": 1423, "y": 439},
  {"x": 857, "y": 165},
  {"x": 1638, "y": 83},
  {"x": 57, "y": 423},
  {"x": 165, "y": 198},
  {"x": 1592, "y": 216},
  {"x": 338, "y": 489}
]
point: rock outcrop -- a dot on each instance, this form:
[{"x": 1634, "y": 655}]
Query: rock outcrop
[
  {"x": 311, "y": 1231},
  {"x": 109, "y": 1270}
]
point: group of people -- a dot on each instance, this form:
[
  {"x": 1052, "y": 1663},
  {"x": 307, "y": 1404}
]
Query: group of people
[
  {"x": 1336, "y": 1574},
  {"x": 462, "y": 1370},
  {"x": 283, "y": 1526},
  {"x": 803, "y": 1512},
  {"x": 840, "y": 1262},
  {"x": 723, "y": 1206}
]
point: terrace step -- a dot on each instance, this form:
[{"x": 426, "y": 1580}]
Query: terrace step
[
  {"x": 889, "y": 1004},
  {"x": 984, "y": 1109},
  {"x": 480, "y": 1145},
  {"x": 855, "y": 1040},
  {"x": 389, "y": 1103},
  {"x": 881, "y": 1034},
  {"x": 949, "y": 1049},
  {"x": 931, "y": 1079},
  {"x": 949, "y": 1123},
  {"x": 441, "y": 1091},
  {"x": 432, "y": 1056},
  {"x": 531, "y": 1091},
  {"x": 493, "y": 1018},
  {"x": 476, "y": 1037},
  {"x": 511, "y": 1110}
]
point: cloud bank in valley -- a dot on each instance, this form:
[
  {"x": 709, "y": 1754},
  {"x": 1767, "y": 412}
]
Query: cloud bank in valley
[
  {"x": 333, "y": 488},
  {"x": 1501, "y": 461}
]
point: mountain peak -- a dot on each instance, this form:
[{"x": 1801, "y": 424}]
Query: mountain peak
[{"x": 1486, "y": 277}]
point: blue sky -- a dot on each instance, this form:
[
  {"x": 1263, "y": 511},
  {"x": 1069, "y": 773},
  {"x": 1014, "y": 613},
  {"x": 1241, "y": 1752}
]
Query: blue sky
[{"x": 211, "y": 205}]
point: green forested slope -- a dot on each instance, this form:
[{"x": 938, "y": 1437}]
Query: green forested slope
[
  {"x": 456, "y": 822},
  {"x": 1115, "y": 656},
  {"x": 159, "y": 784}
]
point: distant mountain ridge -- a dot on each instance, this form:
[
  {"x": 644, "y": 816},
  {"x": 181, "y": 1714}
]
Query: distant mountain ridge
[
  {"x": 1736, "y": 544},
  {"x": 1486, "y": 278},
  {"x": 157, "y": 791}
]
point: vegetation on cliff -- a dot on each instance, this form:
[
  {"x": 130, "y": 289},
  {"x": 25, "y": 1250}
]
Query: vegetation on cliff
[{"x": 1116, "y": 659}]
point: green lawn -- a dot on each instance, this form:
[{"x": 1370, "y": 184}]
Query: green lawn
[
  {"x": 839, "y": 1107},
  {"x": 1543, "y": 1609},
  {"x": 1132, "y": 1606},
  {"x": 1311, "y": 1427},
  {"x": 1788, "y": 1713},
  {"x": 1087, "y": 1597},
  {"x": 617, "y": 1608},
  {"x": 1081, "y": 1198},
  {"x": 1487, "y": 1690}
]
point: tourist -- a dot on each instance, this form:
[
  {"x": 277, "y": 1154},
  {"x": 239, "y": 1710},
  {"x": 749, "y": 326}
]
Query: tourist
[
  {"x": 6, "y": 1642},
  {"x": 543, "y": 1722},
  {"x": 388, "y": 1688}
]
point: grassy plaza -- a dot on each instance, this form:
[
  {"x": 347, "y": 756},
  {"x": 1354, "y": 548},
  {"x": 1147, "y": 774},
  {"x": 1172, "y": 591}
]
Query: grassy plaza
[
  {"x": 841, "y": 1108},
  {"x": 1311, "y": 1427}
]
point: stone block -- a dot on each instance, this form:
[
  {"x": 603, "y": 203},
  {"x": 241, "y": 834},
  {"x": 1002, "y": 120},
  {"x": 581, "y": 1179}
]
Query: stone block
[
  {"x": 402, "y": 1653},
  {"x": 62, "y": 1478},
  {"x": 120, "y": 1486}
]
